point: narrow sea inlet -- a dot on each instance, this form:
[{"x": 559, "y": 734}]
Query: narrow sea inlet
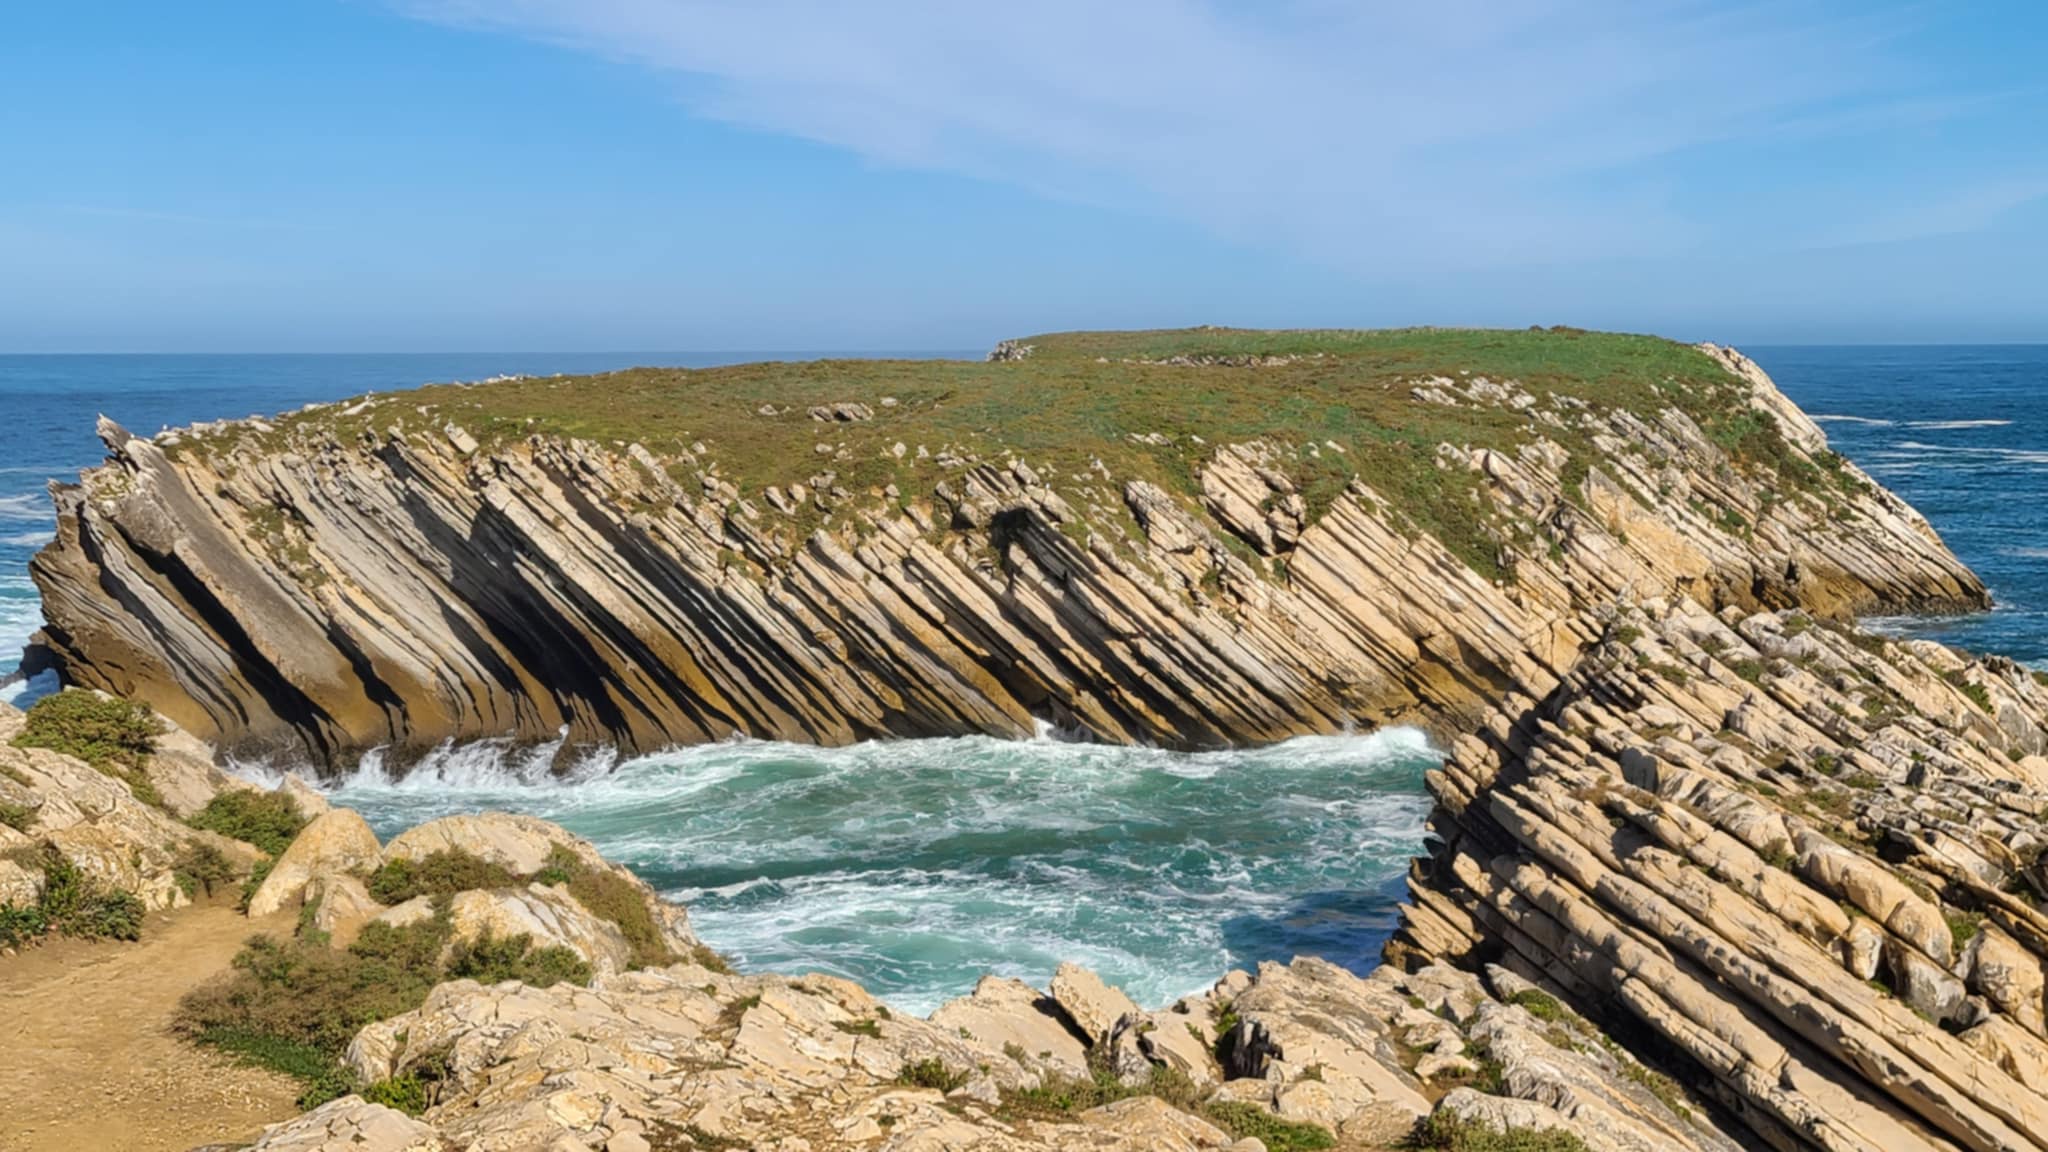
[{"x": 916, "y": 866}]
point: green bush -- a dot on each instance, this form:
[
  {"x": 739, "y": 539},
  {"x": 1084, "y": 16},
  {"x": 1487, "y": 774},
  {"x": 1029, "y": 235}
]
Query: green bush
[
  {"x": 1241, "y": 1120},
  {"x": 19, "y": 817},
  {"x": 931, "y": 1072},
  {"x": 1443, "y": 1132},
  {"x": 492, "y": 960},
  {"x": 610, "y": 896},
  {"x": 257, "y": 875},
  {"x": 100, "y": 731},
  {"x": 1540, "y": 1004},
  {"x": 294, "y": 1005},
  {"x": 75, "y": 904},
  {"x": 19, "y": 925},
  {"x": 309, "y": 994},
  {"x": 269, "y": 820},
  {"x": 441, "y": 873},
  {"x": 415, "y": 1089},
  {"x": 201, "y": 867}
]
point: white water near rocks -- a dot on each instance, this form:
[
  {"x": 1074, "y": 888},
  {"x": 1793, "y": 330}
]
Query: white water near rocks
[{"x": 916, "y": 866}]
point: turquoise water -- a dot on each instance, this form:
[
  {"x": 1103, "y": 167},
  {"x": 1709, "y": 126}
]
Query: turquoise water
[{"x": 915, "y": 866}]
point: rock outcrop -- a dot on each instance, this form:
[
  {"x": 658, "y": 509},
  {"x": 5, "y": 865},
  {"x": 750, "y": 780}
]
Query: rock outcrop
[
  {"x": 686, "y": 1056},
  {"x": 96, "y": 821},
  {"x": 1802, "y": 859},
  {"x": 381, "y": 575}
]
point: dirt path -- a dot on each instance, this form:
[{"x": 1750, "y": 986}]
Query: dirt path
[{"x": 87, "y": 1060}]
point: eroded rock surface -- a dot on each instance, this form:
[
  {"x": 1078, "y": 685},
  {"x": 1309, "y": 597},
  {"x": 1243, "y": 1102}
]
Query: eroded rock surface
[{"x": 1803, "y": 858}]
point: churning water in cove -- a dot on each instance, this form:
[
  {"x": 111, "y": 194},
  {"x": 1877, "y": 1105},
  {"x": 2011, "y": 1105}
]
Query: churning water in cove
[{"x": 915, "y": 866}]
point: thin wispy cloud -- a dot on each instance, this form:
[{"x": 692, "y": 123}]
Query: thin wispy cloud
[{"x": 1374, "y": 135}]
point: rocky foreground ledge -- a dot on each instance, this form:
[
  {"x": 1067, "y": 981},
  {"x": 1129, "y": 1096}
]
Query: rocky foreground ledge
[
  {"x": 1189, "y": 539},
  {"x": 1741, "y": 880}
]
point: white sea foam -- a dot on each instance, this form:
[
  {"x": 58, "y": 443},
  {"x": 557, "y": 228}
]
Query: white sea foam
[
  {"x": 28, "y": 539},
  {"x": 1836, "y": 418},
  {"x": 917, "y": 865},
  {"x": 1955, "y": 425}
]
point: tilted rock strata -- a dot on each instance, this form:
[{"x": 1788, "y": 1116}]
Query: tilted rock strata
[
  {"x": 407, "y": 586},
  {"x": 1806, "y": 859}
]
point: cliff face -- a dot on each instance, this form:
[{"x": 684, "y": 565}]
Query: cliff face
[
  {"x": 430, "y": 566},
  {"x": 1803, "y": 862}
]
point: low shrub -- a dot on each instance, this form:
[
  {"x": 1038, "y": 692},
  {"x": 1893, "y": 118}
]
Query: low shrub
[
  {"x": 257, "y": 875},
  {"x": 610, "y": 896},
  {"x": 1444, "y": 1132},
  {"x": 1540, "y": 1004},
  {"x": 269, "y": 820},
  {"x": 294, "y": 1005},
  {"x": 493, "y": 960},
  {"x": 201, "y": 867},
  {"x": 441, "y": 873},
  {"x": 103, "y": 732},
  {"x": 1242, "y": 1120},
  {"x": 19, "y": 925},
  {"x": 19, "y": 817},
  {"x": 75, "y": 904},
  {"x": 416, "y": 1088},
  {"x": 931, "y": 1072}
]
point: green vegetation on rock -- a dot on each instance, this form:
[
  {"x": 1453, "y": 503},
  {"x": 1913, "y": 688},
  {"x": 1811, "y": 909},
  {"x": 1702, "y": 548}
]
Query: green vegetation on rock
[
  {"x": 442, "y": 873},
  {"x": 72, "y": 903},
  {"x": 114, "y": 736},
  {"x": 200, "y": 867},
  {"x": 1141, "y": 405},
  {"x": 294, "y": 1005},
  {"x": 1444, "y": 1132},
  {"x": 269, "y": 820}
]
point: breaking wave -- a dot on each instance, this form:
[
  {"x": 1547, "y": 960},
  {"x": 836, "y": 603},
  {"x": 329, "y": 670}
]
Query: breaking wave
[{"x": 915, "y": 866}]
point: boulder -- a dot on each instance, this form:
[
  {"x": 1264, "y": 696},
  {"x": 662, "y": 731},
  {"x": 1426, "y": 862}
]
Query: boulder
[
  {"x": 338, "y": 842},
  {"x": 343, "y": 904},
  {"x": 1009, "y": 1014},
  {"x": 549, "y": 915},
  {"x": 1093, "y": 1006},
  {"x": 519, "y": 844}
]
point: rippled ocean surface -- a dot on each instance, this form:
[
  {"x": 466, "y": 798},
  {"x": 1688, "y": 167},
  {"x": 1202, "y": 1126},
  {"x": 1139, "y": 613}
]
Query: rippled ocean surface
[
  {"x": 1962, "y": 434},
  {"x": 915, "y": 866}
]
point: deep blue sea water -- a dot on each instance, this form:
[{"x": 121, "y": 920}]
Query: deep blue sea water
[{"x": 915, "y": 866}]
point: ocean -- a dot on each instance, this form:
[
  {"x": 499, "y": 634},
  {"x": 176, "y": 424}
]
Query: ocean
[{"x": 915, "y": 866}]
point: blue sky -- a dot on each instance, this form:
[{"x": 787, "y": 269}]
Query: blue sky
[{"x": 279, "y": 175}]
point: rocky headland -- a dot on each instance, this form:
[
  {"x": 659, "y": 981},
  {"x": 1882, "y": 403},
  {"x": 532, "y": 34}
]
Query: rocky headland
[{"x": 1714, "y": 868}]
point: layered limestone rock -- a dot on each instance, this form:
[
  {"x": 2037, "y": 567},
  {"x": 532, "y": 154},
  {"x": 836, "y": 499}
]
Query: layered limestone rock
[
  {"x": 689, "y": 1057},
  {"x": 1803, "y": 860},
  {"x": 382, "y": 576}
]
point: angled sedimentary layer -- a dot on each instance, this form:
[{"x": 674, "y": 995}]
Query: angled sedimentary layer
[{"x": 1189, "y": 539}]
